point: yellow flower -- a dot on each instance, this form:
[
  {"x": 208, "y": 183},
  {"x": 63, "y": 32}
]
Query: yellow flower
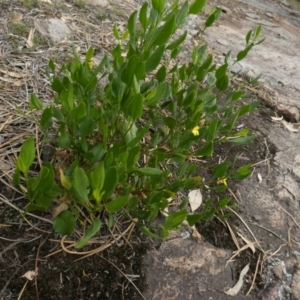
[
  {"x": 222, "y": 181},
  {"x": 91, "y": 64},
  {"x": 195, "y": 130}
]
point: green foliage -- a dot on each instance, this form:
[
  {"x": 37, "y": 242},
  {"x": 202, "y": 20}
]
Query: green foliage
[{"x": 129, "y": 142}]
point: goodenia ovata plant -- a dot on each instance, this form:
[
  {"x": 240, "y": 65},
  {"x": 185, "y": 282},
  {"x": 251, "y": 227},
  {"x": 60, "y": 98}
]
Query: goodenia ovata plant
[{"x": 130, "y": 141}]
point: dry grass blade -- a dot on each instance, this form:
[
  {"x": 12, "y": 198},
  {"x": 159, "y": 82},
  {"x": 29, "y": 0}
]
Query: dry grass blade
[
  {"x": 250, "y": 231},
  {"x": 247, "y": 242},
  {"x": 233, "y": 235},
  {"x": 239, "y": 251},
  {"x": 91, "y": 252},
  {"x": 23, "y": 289},
  {"x": 290, "y": 216},
  {"x": 22, "y": 212},
  {"x": 254, "y": 276}
]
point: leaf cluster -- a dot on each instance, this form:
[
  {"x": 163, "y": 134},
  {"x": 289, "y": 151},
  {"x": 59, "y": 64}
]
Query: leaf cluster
[{"x": 129, "y": 141}]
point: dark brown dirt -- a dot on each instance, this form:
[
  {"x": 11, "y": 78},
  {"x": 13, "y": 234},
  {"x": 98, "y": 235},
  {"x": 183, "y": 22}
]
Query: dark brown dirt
[{"x": 59, "y": 276}]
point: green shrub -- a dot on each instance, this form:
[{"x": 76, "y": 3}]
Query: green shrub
[{"x": 129, "y": 141}]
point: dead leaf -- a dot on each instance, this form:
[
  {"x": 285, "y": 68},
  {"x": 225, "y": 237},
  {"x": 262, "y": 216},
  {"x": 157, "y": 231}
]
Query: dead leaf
[
  {"x": 30, "y": 42},
  {"x": 59, "y": 209},
  {"x": 12, "y": 74},
  {"x": 289, "y": 126},
  {"x": 12, "y": 81},
  {"x": 259, "y": 178},
  {"x": 276, "y": 119},
  {"x": 47, "y": 1},
  {"x": 4, "y": 166},
  {"x": 30, "y": 274},
  {"x": 233, "y": 291},
  {"x": 195, "y": 199}
]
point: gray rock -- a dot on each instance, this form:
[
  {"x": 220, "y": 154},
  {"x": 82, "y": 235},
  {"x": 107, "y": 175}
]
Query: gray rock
[{"x": 55, "y": 29}]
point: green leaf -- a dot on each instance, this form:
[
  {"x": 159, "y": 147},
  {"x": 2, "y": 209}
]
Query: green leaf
[
  {"x": 16, "y": 177},
  {"x": 213, "y": 129},
  {"x": 159, "y": 5},
  {"x": 63, "y": 139},
  {"x": 242, "y": 172},
  {"x": 34, "y": 207},
  {"x": 241, "y": 140},
  {"x": 69, "y": 98},
  {"x": 193, "y": 219},
  {"x": 206, "y": 150},
  {"x": 57, "y": 86},
  {"x": 177, "y": 42},
  {"x": 117, "y": 204},
  {"x": 140, "y": 72},
  {"x": 58, "y": 115},
  {"x": 78, "y": 112},
  {"x": 213, "y": 17},
  {"x": 64, "y": 223},
  {"x": 221, "y": 71},
  {"x": 98, "y": 176},
  {"x": 211, "y": 79},
  {"x": 248, "y": 36},
  {"x": 35, "y": 102},
  {"x": 143, "y": 18},
  {"x": 196, "y": 7},
  {"x": 146, "y": 231},
  {"x": 154, "y": 59},
  {"x": 133, "y": 203},
  {"x": 149, "y": 171},
  {"x": 133, "y": 156},
  {"x": 159, "y": 95},
  {"x": 89, "y": 54},
  {"x": 222, "y": 83},
  {"x": 129, "y": 70},
  {"x": 46, "y": 119},
  {"x": 134, "y": 108},
  {"x": 131, "y": 24},
  {"x": 223, "y": 202},
  {"x": 51, "y": 65},
  {"x": 26, "y": 156},
  {"x": 80, "y": 184},
  {"x": 175, "y": 219},
  {"x": 164, "y": 232},
  {"x": 236, "y": 95},
  {"x": 103, "y": 64},
  {"x": 164, "y": 32},
  {"x": 84, "y": 144},
  {"x": 139, "y": 134},
  {"x": 175, "y": 52},
  {"x": 116, "y": 32},
  {"x": 45, "y": 180},
  {"x": 182, "y": 14},
  {"x": 170, "y": 122},
  {"x": 110, "y": 182},
  {"x": 130, "y": 132},
  {"x": 242, "y": 54},
  {"x": 257, "y": 31},
  {"x": 220, "y": 170},
  {"x": 91, "y": 231},
  {"x": 161, "y": 74},
  {"x": 86, "y": 126}
]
